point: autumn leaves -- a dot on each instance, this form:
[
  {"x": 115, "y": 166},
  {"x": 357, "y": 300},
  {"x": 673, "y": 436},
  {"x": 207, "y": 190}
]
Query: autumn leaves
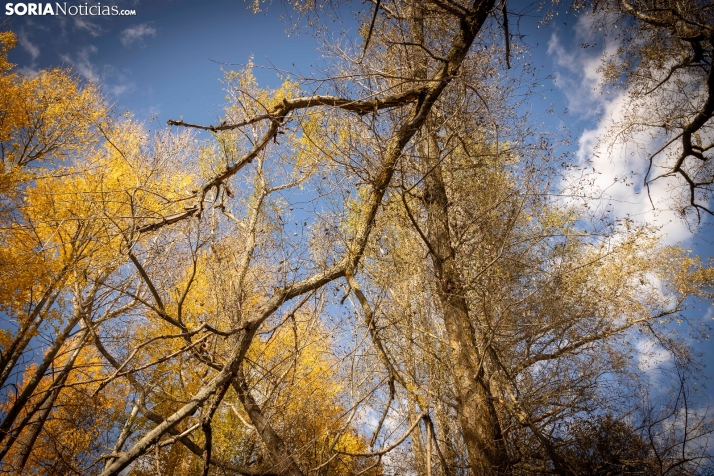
[{"x": 438, "y": 311}]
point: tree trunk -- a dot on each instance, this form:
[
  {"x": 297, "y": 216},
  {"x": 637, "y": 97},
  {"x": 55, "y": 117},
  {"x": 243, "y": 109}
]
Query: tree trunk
[
  {"x": 477, "y": 414},
  {"x": 34, "y": 428},
  {"x": 282, "y": 459},
  {"x": 480, "y": 426}
]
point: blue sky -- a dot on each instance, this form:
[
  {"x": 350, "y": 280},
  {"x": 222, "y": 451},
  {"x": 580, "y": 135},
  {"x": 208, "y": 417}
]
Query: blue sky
[{"x": 167, "y": 59}]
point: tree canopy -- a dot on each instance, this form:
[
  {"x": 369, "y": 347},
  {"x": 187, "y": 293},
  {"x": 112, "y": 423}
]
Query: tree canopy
[{"x": 373, "y": 270}]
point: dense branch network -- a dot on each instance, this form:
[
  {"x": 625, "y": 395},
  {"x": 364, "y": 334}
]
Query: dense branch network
[{"x": 331, "y": 285}]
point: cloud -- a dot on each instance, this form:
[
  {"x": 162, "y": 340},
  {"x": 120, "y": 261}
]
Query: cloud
[
  {"x": 27, "y": 71},
  {"x": 709, "y": 315},
  {"x": 82, "y": 24},
  {"x": 650, "y": 356},
  {"x": 614, "y": 167},
  {"x": 578, "y": 78},
  {"x": 82, "y": 64},
  {"x": 136, "y": 33},
  {"x": 119, "y": 89},
  {"x": 112, "y": 81},
  {"x": 27, "y": 45}
]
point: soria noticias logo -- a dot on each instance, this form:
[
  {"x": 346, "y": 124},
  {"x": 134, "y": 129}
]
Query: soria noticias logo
[{"x": 58, "y": 8}]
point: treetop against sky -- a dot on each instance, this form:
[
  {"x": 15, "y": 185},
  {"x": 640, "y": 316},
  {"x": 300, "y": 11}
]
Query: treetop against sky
[
  {"x": 167, "y": 61},
  {"x": 380, "y": 237}
]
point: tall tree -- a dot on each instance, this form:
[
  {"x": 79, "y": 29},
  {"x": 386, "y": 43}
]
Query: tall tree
[
  {"x": 364, "y": 272},
  {"x": 664, "y": 64}
]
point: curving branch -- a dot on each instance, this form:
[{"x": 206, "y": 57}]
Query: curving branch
[
  {"x": 461, "y": 43},
  {"x": 393, "y": 445}
]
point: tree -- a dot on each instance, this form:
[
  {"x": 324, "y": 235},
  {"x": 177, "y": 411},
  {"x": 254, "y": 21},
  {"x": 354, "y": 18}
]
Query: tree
[
  {"x": 354, "y": 274},
  {"x": 607, "y": 446},
  {"x": 664, "y": 64}
]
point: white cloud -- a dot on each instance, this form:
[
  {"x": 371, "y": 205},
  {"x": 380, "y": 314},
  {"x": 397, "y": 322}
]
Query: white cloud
[
  {"x": 113, "y": 81},
  {"x": 616, "y": 167},
  {"x": 82, "y": 64},
  {"x": 119, "y": 89},
  {"x": 650, "y": 356},
  {"x": 709, "y": 315},
  {"x": 578, "y": 79},
  {"x": 27, "y": 71},
  {"x": 136, "y": 33},
  {"x": 27, "y": 45},
  {"x": 82, "y": 24}
]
